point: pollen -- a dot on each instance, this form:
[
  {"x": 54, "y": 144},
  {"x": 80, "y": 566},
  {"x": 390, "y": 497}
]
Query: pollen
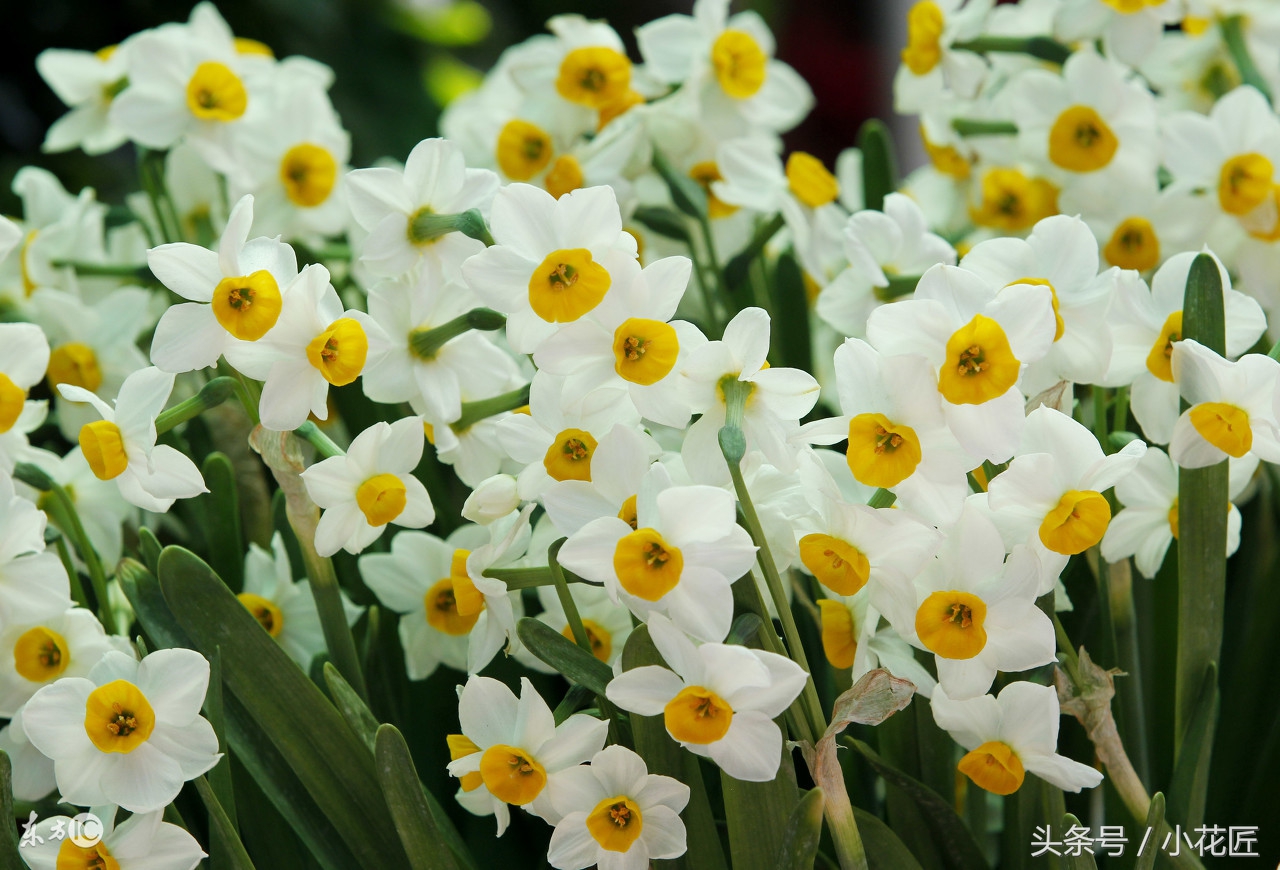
[
  {"x": 950, "y": 624},
  {"x": 215, "y": 93},
  {"x": 646, "y": 565},
  {"x": 381, "y": 498},
  {"x": 340, "y": 351},
  {"x": 248, "y": 306},
  {"x": 740, "y": 64},
  {"x": 644, "y": 351},
  {"x": 118, "y": 717},
  {"x": 1080, "y": 141},
  {"x": 40, "y": 654},
  {"x": 567, "y": 285}
]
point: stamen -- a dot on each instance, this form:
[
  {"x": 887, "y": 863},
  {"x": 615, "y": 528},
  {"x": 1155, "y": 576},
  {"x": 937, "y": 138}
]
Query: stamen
[
  {"x": 655, "y": 556},
  {"x": 123, "y": 723},
  {"x": 961, "y": 615}
]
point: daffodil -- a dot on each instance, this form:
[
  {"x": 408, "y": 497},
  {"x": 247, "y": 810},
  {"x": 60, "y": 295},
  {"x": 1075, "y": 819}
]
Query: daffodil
[
  {"x": 121, "y": 446},
  {"x": 554, "y": 259},
  {"x": 236, "y": 293},
  {"x": 370, "y": 486},
  {"x": 854, "y": 639},
  {"x": 1010, "y": 735},
  {"x": 56, "y": 226},
  {"x": 33, "y": 581},
  {"x": 1129, "y": 29},
  {"x": 61, "y": 644},
  {"x": 754, "y": 176},
  {"x": 512, "y": 753},
  {"x": 1233, "y": 406},
  {"x": 619, "y": 464},
  {"x": 614, "y": 813},
  {"x": 33, "y": 777},
  {"x": 130, "y": 733},
  {"x": 933, "y": 68},
  {"x": 584, "y": 64},
  {"x": 716, "y": 700},
  {"x": 141, "y": 842},
  {"x": 386, "y": 203},
  {"x": 24, "y": 358},
  {"x": 87, "y": 82},
  {"x": 507, "y": 543}
]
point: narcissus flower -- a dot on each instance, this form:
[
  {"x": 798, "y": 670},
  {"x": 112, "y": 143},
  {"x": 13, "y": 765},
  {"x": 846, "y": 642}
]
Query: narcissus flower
[
  {"x": 122, "y": 445},
  {"x": 973, "y": 610},
  {"x": 1129, "y": 30},
  {"x": 854, "y": 639},
  {"x": 619, "y": 464},
  {"x": 33, "y": 581},
  {"x": 716, "y": 700},
  {"x": 33, "y": 654},
  {"x": 129, "y": 734},
  {"x": 616, "y": 814},
  {"x": 87, "y": 82},
  {"x": 370, "y": 486},
  {"x": 932, "y": 69},
  {"x": 24, "y": 357},
  {"x": 607, "y": 625},
  {"x": 511, "y": 752},
  {"x": 1009, "y": 735},
  {"x": 236, "y": 293},
  {"x": 554, "y": 259},
  {"x": 141, "y": 842},
  {"x": 679, "y": 559},
  {"x": 1233, "y": 407}
]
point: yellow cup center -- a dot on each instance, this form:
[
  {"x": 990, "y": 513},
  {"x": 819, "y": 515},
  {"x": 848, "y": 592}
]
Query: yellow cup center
[
  {"x": 12, "y": 400},
  {"x": 644, "y": 351},
  {"x": 308, "y": 173},
  {"x": 118, "y": 717},
  {"x": 615, "y": 823},
  {"x": 705, "y": 173},
  {"x": 600, "y": 638},
  {"x": 75, "y": 364},
  {"x": 40, "y": 654},
  {"x": 627, "y": 513},
  {"x": 925, "y": 23},
  {"x": 647, "y": 566},
  {"x": 1076, "y": 523},
  {"x": 1133, "y": 245},
  {"x": 1224, "y": 426},
  {"x": 215, "y": 93},
  {"x": 340, "y": 351},
  {"x": 697, "y": 715},
  {"x": 980, "y": 365},
  {"x": 739, "y": 63},
  {"x": 566, "y": 285},
  {"x": 995, "y": 767},
  {"x": 949, "y": 624},
  {"x": 247, "y": 305},
  {"x": 565, "y": 176},
  {"x": 569, "y": 456},
  {"x": 441, "y": 603},
  {"x": 1159, "y": 360},
  {"x": 460, "y": 746},
  {"x": 512, "y": 775},
  {"x": 1244, "y": 183},
  {"x": 103, "y": 447},
  {"x": 881, "y": 452},
  {"x": 381, "y": 498},
  {"x": 839, "y": 637},
  {"x": 523, "y": 149},
  {"x": 95, "y": 857},
  {"x": 594, "y": 76},
  {"x": 1013, "y": 202},
  {"x": 1080, "y": 141},
  {"x": 810, "y": 181},
  {"x": 265, "y": 611},
  {"x": 838, "y": 565}
]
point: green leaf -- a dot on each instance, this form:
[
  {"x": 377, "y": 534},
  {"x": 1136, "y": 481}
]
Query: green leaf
[
  {"x": 755, "y": 813},
  {"x": 686, "y": 193},
  {"x": 949, "y": 832},
  {"x": 1083, "y": 861},
  {"x": 221, "y": 506},
  {"x": 1191, "y": 769},
  {"x": 664, "y": 221},
  {"x": 572, "y": 661},
  {"x": 149, "y": 547},
  {"x": 736, "y": 270},
  {"x": 307, "y": 731},
  {"x": 233, "y": 855},
  {"x": 1233, "y": 36},
  {"x": 789, "y": 338},
  {"x": 664, "y": 756},
  {"x": 422, "y": 841},
  {"x": 879, "y": 166},
  {"x": 219, "y": 778},
  {"x": 1155, "y": 818},
  {"x": 802, "y": 834},
  {"x": 9, "y": 856},
  {"x": 745, "y": 630},
  {"x": 885, "y": 849}
]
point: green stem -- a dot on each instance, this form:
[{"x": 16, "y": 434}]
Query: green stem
[
  {"x": 248, "y": 391},
  {"x": 882, "y": 498},
  {"x": 474, "y": 412},
  {"x": 333, "y": 617},
  {"x": 1066, "y": 652},
  {"x": 567, "y": 603},
  {"x": 976, "y": 127},
  {"x": 151, "y": 174},
  {"x": 1133, "y": 725},
  {"x": 1120, "y": 416},
  {"x": 323, "y": 444},
  {"x": 1041, "y": 47},
  {"x": 425, "y": 343},
  {"x": 1233, "y": 36},
  {"x": 1100, "y": 414},
  {"x": 77, "y": 588},
  {"x": 139, "y": 274},
  {"x": 898, "y": 286},
  {"x": 425, "y": 226},
  {"x": 212, "y": 394},
  {"x": 526, "y": 578}
]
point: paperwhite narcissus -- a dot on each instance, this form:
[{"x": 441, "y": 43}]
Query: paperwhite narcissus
[
  {"x": 619, "y": 463},
  {"x": 1129, "y": 31},
  {"x": 754, "y": 176},
  {"x": 236, "y": 293},
  {"x": 129, "y": 734},
  {"x": 33, "y": 777},
  {"x": 679, "y": 559},
  {"x": 33, "y": 581},
  {"x": 508, "y": 540},
  {"x": 1145, "y": 326},
  {"x": 1009, "y": 735},
  {"x": 716, "y": 700},
  {"x": 978, "y": 337},
  {"x": 24, "y": 358},
  {"x": 314, "y": 344},
  {"x": 370, "y": 486},
  {"x": 141, "y": 842},
  {"x": 854, "y": 639},
  {"x": 34, "y": 653},
  {"x": 285, "y": 608},
  {"x": 932, "y": 69},
  {"x": 973, "y": 610},
  {"x": 122, "y": 445},
  {"x": 775, "y": 398},
  {"x": 1051, "y": 495},
  {"x": 607, "y": 625},
  {"x": 511, "y": 752},
  {"x": 1148, "y": 521},
  {"x": 630, "y": 341},
  {"x": 616, "y": 814},
  {"x": 1233, "y": 406},
  {"x": 87, "y": 82},
  {"x": 553, "y": 260},
  {"x": 386, "y": 202}
]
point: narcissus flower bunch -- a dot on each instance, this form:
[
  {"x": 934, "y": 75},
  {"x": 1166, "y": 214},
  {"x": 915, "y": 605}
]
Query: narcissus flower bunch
[{"x": 596, "y": 467}]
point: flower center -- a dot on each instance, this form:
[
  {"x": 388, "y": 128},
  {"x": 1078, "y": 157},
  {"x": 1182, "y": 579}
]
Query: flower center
[
  {"x": 381, "y": 498},
  {"x": 697, "y": 715},
  {"x": 949, "y": 624},
  {"x": 569, "y": 456},
  {"x": 627, "y": 513},
  {"x": 512, "y": 775},
  {"x": 215, "y": 93},
  {"x": 1244, "y": 183},
  {"x": 565, "y": 176},
  {"x": 441, "y": 602},
  {"x": 1076, "y": 523},
  {"x": 1224, "y": 426},
  {"x": 925, "y": 23},
  {"x": 980, "y": 365},
  {"x": 340, "y": 351},
  {"x": 12, "y": 400},
  {"x": 118, "y": 717},
  {"x": 308, "y": 173},
  {"x": 644, "y": 351},
  {"x": 615, "y": 823},
  {"x": 1013, "y": 202},
  {"x": 524, "y": 150},
  {"x": 103, "y": 447},
  {"x": 995, "y": 767},
  {"x": 601, "y": 638},
  {"x": 1133, "y": 245},
  {"x": 75, "y": 364},
  {"x": 947, "y": 159},
  {"x": 594, "y": 76},
  {"x": 810, "y": 181},
  {"x": 40, "y": 654},
  {"x": 705, "y": 173},
  {"x": 1159, "y": 360},
  {"x": 247, "y": 305},
  {"x": 95, "y": 857},
  {"x": 567, "y": 285},
  {"x": 1080, "y": 141},
  {"x": 740, "y": 64},
  {"x": 647, "y": 566},
  {"x": 839, "y": 638},
  {"x": 265, "y": 611},
  {"x": 881, "y": 453},
  {"x": 838, "y": 565}
]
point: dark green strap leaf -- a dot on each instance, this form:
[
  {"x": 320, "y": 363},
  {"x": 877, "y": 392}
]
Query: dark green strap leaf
[
  {"x": 221, "y": 506},
  {"x": 885, "y": 849},
  {"x": 1191, "y": 770},
  {"x": 879, "y": 166},
  {"x": 576, "y": 664},
  {"x": 413, "y": 819},
  {"x": 233, "y": 855},
  {"x": 9, "y": 856},
  {"x": 1084, "y": 859},
  {"x": 803, "y": 832},
  {"x": 1155, "y": 819},
  {"x": 663, "y": 221}
]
